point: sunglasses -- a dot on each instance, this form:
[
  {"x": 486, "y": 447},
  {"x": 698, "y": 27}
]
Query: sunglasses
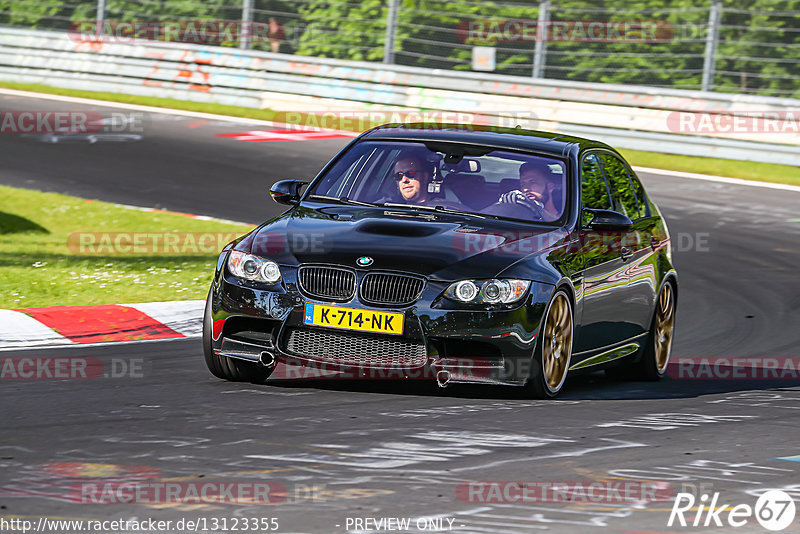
[{"x": 411, "y": 175}]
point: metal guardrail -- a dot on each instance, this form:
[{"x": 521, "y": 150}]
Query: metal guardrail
[
  {"x": 640, "y": 118},
  {"x": 704, "y": 45}
]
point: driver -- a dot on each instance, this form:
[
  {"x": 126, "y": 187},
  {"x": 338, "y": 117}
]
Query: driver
[
  {"x": 537, "y": 190},
  {"x": 413, "y": 173}
]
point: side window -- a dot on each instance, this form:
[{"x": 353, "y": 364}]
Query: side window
[
  {"x": 638, "y": 188},
  {"x": 594, "y": 190},
  {"x": 621, "y": 188}
]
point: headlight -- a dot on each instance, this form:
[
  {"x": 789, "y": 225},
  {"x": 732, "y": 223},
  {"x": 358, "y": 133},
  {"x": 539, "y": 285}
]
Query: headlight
[
  {"x": 487, "y": 291},
  {"x": 252, "y": 267},
  {"x": 465, "y": 291}
]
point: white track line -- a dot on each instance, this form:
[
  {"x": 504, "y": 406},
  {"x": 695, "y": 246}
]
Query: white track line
[
  {"x": 722, "y": 179},
  {"x": 156, "y": 109}
]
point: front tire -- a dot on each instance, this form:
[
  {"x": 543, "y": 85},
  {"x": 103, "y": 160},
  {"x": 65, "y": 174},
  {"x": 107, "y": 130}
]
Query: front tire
[
  {"x": 553, "y": 351},
  {"x": 224, "y": 367}
]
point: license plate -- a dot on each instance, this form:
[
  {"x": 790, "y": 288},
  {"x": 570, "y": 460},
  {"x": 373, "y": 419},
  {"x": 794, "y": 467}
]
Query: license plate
[{"x": 353, "y": 319}]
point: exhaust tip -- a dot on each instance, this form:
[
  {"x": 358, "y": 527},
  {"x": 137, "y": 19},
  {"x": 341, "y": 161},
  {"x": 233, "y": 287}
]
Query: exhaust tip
[
  {"x": 267, "y": 359},
  {"x": 443, "y": 378}
]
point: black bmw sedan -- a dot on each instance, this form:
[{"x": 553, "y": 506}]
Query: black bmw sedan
[{"x": 456, "y": 254}]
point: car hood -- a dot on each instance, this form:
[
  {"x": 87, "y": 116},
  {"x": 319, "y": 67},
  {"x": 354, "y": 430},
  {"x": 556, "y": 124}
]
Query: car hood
[{"x": 437, "y": 245}]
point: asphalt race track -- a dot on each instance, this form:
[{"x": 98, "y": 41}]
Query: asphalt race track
[{"x": 348, "y": 450}]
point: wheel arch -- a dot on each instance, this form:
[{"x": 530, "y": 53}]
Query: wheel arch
[
  {"x": 566, "y": 284},
  {"x": 670, "y": 277}
]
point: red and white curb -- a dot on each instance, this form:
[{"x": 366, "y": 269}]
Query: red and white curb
[
  {"x": 262, "y": 136},
  {"x": 70, "y": 325}
]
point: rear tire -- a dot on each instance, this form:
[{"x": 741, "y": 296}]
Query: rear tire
[
  {"x": 228, "y": 368},
  {"x": 652, "y": 366},
  {"x": 553, "y": 352}
]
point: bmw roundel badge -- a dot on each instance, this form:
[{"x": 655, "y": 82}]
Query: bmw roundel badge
[{"x": 364, "y": 261}]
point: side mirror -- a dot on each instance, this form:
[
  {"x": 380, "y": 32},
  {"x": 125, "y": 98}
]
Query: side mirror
[
  {"x": 286, "y": 191},
  {"x": 608, "y": 220}
]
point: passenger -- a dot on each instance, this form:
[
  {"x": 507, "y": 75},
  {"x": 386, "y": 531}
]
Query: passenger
[{"x": 539, "y": 190}]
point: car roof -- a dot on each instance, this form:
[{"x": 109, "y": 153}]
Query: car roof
[{"x": 554, "y": 144}]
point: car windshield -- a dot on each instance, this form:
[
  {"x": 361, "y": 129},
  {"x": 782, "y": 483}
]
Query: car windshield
[{"x": 449, "y": 176}]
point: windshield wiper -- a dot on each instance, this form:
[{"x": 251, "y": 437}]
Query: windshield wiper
[
  {"x": 437, "y": 209},
  {"x": 434, "y": 209},
  {"x": 344, "y": 200},
  {"x": 323, "y": 197},
  {"x": 358, "y": 202}
]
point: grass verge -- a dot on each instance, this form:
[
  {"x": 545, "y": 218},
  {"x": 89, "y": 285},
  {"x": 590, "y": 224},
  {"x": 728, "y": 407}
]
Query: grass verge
[
  {"x": 61, "y": 250},
  {"x": 747, "y": 170},
  {"x": 765, "y": 172}
]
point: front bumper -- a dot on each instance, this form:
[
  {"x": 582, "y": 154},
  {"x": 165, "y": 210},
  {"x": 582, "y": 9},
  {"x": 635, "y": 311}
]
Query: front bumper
[{"x": 253, "y": 321}]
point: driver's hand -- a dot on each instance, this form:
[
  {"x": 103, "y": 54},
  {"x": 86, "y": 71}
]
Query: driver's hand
[
  {"x": 535, "y": 196},
  {"x": 518, "y": 197}
]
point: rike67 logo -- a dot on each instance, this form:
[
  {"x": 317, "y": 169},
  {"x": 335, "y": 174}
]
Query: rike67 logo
[{"x": 774, "y": 510}]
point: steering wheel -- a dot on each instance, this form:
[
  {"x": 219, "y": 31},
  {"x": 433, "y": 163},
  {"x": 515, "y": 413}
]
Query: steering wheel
[
  {"x": 516, "y": 197},
  {"x": 534, "y": 207},
  {"x": 514, "y": 211}
]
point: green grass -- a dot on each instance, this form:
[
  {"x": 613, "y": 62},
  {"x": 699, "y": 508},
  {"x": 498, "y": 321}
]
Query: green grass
[
  {"x": 748, "y": 170},
  {"x": 39, "y": 268},
  {"x": 766, "y": 172}
]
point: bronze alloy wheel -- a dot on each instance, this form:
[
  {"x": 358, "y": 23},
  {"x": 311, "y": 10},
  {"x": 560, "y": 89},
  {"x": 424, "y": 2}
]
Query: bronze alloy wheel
[
  {"x": 665, "y": 324},
  {"x": 557, "y": 342}
]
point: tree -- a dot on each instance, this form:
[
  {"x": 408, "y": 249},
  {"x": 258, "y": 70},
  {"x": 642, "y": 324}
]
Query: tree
[{"x": 344, "y": 30}]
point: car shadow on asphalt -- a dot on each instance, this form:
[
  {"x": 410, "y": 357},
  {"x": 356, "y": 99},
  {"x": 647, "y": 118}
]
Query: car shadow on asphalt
[{"x": 590, "y": 386}]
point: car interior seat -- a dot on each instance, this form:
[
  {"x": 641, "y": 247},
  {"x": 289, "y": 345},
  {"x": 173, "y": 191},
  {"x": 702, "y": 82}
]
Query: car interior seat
[{"x": 468, "y": 188}]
